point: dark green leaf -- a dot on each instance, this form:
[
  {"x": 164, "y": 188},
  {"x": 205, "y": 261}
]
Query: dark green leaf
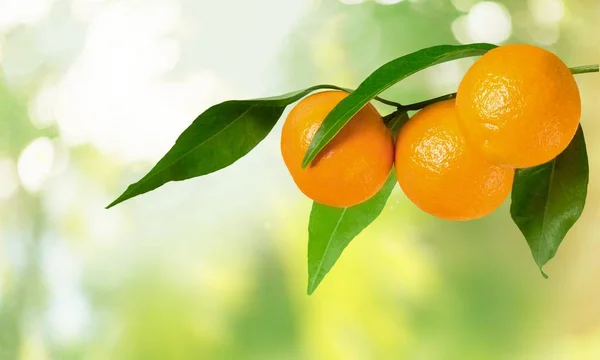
[
  {"x": 331, "y": 229},
  {"x": 383, "y": 78},
  {"x": 216, "y": 139},
  {"x": 548, "y": 199}
]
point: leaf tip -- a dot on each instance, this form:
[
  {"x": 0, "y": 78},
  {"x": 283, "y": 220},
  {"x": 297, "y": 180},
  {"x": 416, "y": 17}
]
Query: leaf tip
[
  {"x": 307, "y": 160},
  {"x": 312, "y": 285},
  {"x": 543, "y": 273},
  {"x": 119, "y": 200},
  {"x": 111, "y": 205}
]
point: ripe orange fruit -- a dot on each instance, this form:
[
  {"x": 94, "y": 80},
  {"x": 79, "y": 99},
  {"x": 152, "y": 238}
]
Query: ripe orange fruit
[
  {"x": 441, "y": 173},
  {"x": 520, "y": 105},
  {"x": 352, "y": 167}
]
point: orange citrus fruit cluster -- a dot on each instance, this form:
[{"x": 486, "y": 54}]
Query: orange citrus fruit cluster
[{"x": 518, "y": 106}]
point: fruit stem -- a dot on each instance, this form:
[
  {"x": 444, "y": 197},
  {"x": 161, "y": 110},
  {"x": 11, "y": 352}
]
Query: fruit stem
[
  {"x": 584, "y": 69},
  {"x": 395, "y": 121},
  {"x": 388, "y": 102},
  {"x": 380, "y": 99},
  {"x": 422, "y": 104}
]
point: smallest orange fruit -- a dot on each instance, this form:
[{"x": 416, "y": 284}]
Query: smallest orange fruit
[
  {"x": 356, "y": 163},
  {"x": 441, "y": 173}
]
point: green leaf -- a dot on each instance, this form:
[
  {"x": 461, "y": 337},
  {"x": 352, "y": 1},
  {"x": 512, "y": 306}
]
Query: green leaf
[
  {"x": 331, "y": 229},
  {"x": 380, "y": 80},
  {"x": 548, "y": 199},
  {"x": 216, "y": 139}
]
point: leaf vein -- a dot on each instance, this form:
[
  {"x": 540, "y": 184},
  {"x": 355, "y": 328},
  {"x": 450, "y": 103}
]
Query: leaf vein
[
  {"x": 197, "y": 146},
  {"x": 542, "y": 241},
  {"x": 320, "y": 266}
]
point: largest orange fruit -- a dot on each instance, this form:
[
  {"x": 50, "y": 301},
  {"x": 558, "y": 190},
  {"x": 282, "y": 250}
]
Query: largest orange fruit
[
  {"x": 520, "y": 105},
  {"x": 441, "y": 173},
  {"x": 352, "y": 167}
]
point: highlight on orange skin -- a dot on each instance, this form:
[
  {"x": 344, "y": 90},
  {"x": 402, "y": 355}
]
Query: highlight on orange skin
[
  {"x": 519, "y": 105},
  {"x": 441, "y": 173},
  {"x": 353, "y": 167}
]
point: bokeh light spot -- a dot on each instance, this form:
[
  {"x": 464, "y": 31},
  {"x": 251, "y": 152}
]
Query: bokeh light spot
[
  {"x": 35, "y": 164},
  {"x": 352, "y": 2},
  {"x": 445, "y": 77},
  {"x": 126, "y": 64},
  {"x": 489, "y": 21},
  {"x": 546, "y": 11},
  {"x": 15, "y": 12},
  {"x": 41, "y": 109},
  {"x": 460, "y": 30},
  {"x": 9, "y": 183},
  {"x": 388, "y": 2}
]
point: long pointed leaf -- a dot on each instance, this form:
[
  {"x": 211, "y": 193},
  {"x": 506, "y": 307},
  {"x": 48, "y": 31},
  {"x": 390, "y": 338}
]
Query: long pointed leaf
[
  {"x": 380, "y": 80},
  {"x": 216, "y": 139},
  {"x": 548, "y": 199},
  {"x": 331, "y": 229}
]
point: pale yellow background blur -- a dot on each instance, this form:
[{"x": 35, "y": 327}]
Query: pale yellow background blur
[{"x": 93, "y": 92}]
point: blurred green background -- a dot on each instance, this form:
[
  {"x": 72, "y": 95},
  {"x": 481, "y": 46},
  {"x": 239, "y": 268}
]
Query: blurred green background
[{"x": 93, "y": 92}]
